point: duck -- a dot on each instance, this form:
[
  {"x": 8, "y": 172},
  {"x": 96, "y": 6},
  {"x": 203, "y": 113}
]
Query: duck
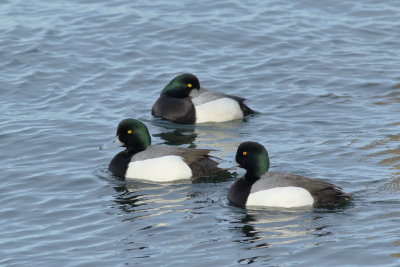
[
  {"x": 259, "y": 187},
  {"x": 184, "y": 101},
  {"x": 158, "y": 163}
]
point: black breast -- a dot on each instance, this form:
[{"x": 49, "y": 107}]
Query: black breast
[
  {"x": 239, "y": 192},
  {"x": 178, "y": 110},
  {"x": 119, "y": 164}
]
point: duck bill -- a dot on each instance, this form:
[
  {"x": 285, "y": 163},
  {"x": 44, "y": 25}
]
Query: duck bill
[{"x": 114, "y": 143}]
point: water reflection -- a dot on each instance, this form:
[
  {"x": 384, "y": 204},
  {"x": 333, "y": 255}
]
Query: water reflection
[
  {"x": 178, "y": 137},
  {"x": 153, "y": 199},
  {"x": 389, "y": 146},
  {"x": 222, "y": 137},
  {"x": 175, "y": 134},
  {"x": 391, "y": 98},
  {"x": 396, "y": 255},
  {"x": 269, "y": 227},
  {"x": 388, "y": 150}
]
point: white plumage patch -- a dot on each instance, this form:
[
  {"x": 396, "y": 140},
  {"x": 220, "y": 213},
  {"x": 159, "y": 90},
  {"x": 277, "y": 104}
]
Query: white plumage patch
[
  {"x": 223, "y": 109},
  {"x": 283, "y": 197},
  {"x": 162, "y": 169}
]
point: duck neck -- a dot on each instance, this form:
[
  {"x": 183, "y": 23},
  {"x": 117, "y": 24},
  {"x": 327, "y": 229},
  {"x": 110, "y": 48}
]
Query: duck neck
[
  {"x": 251, "y": 177},
  {"x": 134, "y": 150},
  {"x": 259, "y": 168}
]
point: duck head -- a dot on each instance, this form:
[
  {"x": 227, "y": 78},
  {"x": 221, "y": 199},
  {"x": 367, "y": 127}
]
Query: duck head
[
  {"x": 253, "y": 157},
  {"x": 181, "y": 86}
]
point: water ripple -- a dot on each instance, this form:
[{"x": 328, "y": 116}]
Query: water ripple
[{"x": 324, "y": 79}]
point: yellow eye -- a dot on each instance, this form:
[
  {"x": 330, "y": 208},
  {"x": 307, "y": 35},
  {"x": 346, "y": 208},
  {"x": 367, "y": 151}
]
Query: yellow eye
[
  {"x": 129, "y": 131},
  {"x": 244, "y": 153},
  {"x": 189, "y": 85}
]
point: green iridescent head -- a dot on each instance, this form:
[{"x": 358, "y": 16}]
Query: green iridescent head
[
  {"x": 133, "y": 134},
  {"x": 181, "y": 86},
  {"x": 253, "y": 157}
]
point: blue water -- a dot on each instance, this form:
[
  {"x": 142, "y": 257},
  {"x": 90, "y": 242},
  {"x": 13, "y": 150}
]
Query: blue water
[{"x": 323, "y": 75}]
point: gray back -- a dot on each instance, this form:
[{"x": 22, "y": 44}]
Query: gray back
[
  {"x": 271, "y": 180},
  {"x": 203, "y": 96},
  {"x": 275, "y": 179},
  {"x": 157, "y": 151}
]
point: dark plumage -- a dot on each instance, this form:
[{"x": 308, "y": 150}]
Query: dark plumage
[
  {"x": 178, "y": 110},
  {"x": 180, "y": 99},
  {"x": 135, "y": 137},
  {"x": 254, "y": 158}
]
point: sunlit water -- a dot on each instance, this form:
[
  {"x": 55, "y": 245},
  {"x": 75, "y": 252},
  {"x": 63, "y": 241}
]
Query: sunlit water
[{"x": 323, "y": 76}]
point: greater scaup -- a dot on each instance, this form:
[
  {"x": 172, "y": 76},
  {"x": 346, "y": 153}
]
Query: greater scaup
[
  {"x": 184, "y": 101},
  {"x": 258, "y": 187},
  {"x": 159, "y": 163}
]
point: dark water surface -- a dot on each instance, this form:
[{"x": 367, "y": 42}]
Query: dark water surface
[{"x": 324, "y": 76}]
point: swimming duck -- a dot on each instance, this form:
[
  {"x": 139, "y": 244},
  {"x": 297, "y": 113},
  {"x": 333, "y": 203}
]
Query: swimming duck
[
  {"x": 158, "y": 163},
  {"x": 258, "y": 187},
  {"x": 184, "y": 101}
]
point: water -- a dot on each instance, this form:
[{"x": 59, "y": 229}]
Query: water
[{"x": 324, "y": 77}]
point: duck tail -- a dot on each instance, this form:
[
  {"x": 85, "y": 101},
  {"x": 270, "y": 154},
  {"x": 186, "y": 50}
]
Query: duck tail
[{"x": 246, "y": 110}]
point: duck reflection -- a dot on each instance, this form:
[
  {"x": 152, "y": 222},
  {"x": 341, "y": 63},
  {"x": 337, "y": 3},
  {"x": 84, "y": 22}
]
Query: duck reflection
[
  {"x": 268, "y": 227},
  {"x": 175, "y": 134},
  {"x": 127, "y": 200},
  {"x": 151, "y": 200},
  {"x": 222, "y": 137},
  {"x": 178, "y": 137}
]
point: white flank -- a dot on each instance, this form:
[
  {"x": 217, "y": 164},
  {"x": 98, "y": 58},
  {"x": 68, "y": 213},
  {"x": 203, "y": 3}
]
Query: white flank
[
  {"x": 162, "y": 169},
  {"x": 283, "y": 197},
  {"x": 223, "y": 109}
]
